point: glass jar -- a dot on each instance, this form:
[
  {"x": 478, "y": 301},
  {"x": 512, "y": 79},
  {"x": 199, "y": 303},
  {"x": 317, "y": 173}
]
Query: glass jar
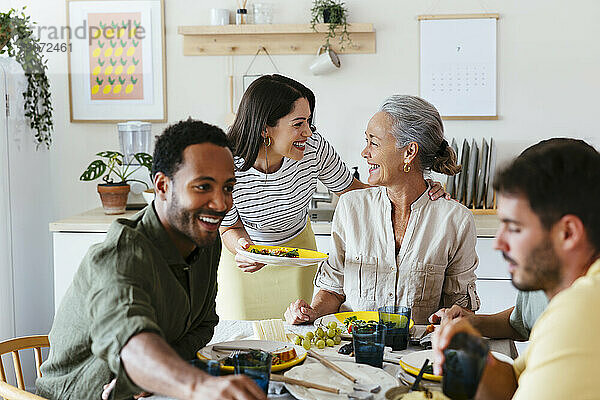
[
  {"x": 241, "y": 16},
  {"x": 263, "y": 13}
]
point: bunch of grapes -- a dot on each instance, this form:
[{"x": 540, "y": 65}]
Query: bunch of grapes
[{"x": 321, "y": 337}]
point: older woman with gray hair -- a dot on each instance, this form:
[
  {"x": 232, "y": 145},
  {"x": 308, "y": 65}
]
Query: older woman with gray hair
[{"x": 392, "y": 245}]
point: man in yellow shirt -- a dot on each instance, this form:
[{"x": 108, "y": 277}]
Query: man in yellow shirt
[{"x": 550, "y": 236}]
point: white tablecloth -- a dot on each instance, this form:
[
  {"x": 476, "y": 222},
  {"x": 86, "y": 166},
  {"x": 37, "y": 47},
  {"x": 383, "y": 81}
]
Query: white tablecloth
[{"x": 235, "y": 330}]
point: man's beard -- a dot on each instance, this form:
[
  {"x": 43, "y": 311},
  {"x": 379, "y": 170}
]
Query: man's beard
[
  {"x": 540, "y": 271},
  {"x": 185, "y": 221}
]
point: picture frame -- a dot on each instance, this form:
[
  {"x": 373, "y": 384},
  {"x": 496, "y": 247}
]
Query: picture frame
[
  {"x": 458, "y": 64},
  {"x": 117, "y": 69}
]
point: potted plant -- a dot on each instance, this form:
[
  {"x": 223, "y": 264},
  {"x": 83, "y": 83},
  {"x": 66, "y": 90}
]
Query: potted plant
[
  {"x": 17, "y": 40},
  {"x": 334, "y": 13},
  {"x": 114, "y": 194}
]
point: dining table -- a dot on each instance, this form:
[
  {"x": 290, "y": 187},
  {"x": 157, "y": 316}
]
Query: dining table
[{"x": 228, "y": 330}]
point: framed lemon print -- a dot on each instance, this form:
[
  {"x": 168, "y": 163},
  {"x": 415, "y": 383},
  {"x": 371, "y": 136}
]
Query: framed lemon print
[{"x": 116, "y": 60}]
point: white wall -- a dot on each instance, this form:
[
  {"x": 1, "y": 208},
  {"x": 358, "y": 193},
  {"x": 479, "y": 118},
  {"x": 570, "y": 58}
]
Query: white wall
[{"x": 548, "y": 63}]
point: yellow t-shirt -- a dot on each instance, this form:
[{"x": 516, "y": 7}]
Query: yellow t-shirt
[{"x": 562, "y": 360}]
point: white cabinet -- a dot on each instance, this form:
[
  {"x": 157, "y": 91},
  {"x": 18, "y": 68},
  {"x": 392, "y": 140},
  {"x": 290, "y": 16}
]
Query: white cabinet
[{"x": 69, "y": 249}]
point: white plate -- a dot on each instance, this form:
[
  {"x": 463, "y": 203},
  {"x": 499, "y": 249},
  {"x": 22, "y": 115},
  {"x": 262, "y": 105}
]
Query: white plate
[
  {"x": 318, "y": 373},
  {"x": 481, "y": 173},
  {"x": 313, "y": 257},
  {"x": 413, "y": 362},
  {"x": 489, "y": 197},
  {"x": 266, "y": 345}
]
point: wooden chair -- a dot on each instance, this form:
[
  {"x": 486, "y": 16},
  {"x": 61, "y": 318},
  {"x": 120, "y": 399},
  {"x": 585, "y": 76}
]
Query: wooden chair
[{"x": 13, "y": 346}]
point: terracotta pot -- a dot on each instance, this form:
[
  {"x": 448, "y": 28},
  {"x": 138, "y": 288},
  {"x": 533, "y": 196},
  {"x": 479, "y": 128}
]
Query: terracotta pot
[{"x": 114, "y": 197}]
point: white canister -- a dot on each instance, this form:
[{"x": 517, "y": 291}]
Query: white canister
[
  {"x": 219, "y": 16},
  {"x": 327, "y": 61}
]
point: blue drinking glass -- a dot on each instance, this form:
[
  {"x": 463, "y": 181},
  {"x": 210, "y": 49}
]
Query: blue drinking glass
[
  {"x": 396, "y": 319},
  {"x": 255, "y": 364},
  {"x": 465, "y": 359},
  {"x": 369, "y": 342},
  {"x": 211, "y": 367}
]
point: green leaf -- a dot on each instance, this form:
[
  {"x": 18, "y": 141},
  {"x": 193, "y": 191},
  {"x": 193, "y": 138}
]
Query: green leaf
[
  {"x": 123, "y": 62},
  {"x": 112, "y": 44},
  {"x": 134, "y": 61},
  {"x": 99, "y": 81},
  {"x": 123, "y": 44},
  {"x": 134, "y": 42},
  {"x": 93, "y": 171},
  {"x": 109, "y": 154},
  {"x": 134, "y": 81},
  {"x": 101, "y": 62},
  {"x": 111, "y": 81},
  {"x": 112, "y": 62},
  {"x": 101, "y": 44},
  {"x": 121, "y": 80},
  {"x": 144, "y": 159}
]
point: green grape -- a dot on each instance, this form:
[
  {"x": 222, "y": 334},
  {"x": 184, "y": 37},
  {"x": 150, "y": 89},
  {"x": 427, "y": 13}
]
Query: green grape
[
  {"x": 332, "y": 325},
  {"x": 320, "y": 344},
  {"x": 306, "y": 344},
  {"x": 330, "y": 342},
  {"x": 337, "y": 339},
  {"x": 310, "y": 335},
  {"x": 298, "y": 340},
  {"x": 320, "y": 332},
  {"x": 331, "y": 332}
]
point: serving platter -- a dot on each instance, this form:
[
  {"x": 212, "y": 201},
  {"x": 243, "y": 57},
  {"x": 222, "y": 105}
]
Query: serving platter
[
  {"x": 462, "y": 176},
  {"x": 472, "y": 174},
  {"x": 307, "y": 257},
  {"x": 207, "y": 353},
  {"x": 489, "y": 197},
  {"x": 339, "y": 318},
  {"x": 412, "y": 362},
  {"x": 482, "y": 173},
  {"x": 318, "y": 373}
]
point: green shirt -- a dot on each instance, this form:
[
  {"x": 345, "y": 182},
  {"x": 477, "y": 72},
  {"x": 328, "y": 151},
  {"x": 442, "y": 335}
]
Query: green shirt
[
  {"x": 134, "y": 281},
  {"x": 528, "y": 308}
]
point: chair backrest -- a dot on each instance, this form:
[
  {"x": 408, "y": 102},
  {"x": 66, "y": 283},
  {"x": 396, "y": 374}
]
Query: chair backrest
[{"x": 13, "y": 346}]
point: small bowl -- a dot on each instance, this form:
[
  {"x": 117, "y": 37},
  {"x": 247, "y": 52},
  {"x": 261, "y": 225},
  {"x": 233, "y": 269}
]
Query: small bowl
[{"x": 148, "y": 195}]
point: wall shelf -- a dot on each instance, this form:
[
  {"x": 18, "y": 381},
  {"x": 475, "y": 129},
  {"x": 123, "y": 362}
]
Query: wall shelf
[{"x": 276, "y": 38}]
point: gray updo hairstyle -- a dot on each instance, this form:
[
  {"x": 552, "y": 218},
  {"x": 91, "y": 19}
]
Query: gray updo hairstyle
[{"x": 416, "y": 120}]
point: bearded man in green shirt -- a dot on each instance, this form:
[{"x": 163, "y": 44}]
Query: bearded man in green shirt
[{"x": 143, "y": 301}]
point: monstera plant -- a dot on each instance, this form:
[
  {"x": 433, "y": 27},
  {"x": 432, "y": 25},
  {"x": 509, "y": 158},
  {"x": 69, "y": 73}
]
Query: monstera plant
[
  {"x": 111, "y": 165},
  {"x": 17, "y": 40}
]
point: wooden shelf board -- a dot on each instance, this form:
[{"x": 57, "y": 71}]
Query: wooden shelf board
[
  {"x": 277, "y": 39},
  {"x": 265, "y": 29}
]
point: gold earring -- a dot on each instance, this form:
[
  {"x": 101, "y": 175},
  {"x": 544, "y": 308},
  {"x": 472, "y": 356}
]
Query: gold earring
[
  {"x": 406, "y": 167},
  {"x": 267, "y": 142}
]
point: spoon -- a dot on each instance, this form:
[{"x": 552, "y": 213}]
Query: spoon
[{"x": 415, "y": 385}]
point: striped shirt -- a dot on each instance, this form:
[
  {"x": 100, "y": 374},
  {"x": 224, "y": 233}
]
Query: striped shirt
[{"x": 276, "y": 211}]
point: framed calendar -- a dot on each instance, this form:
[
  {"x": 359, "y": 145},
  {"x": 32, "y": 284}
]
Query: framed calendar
[{"x": 458, "y": 64}]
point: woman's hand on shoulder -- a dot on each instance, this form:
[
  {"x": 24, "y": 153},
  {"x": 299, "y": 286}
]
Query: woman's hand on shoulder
[
  {"x": 437, "y": 190},
  {"x": 243, "y": 262}
]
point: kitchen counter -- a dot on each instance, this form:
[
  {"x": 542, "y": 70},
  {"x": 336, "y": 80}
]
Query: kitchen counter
[{"x": 96, "y": 221}]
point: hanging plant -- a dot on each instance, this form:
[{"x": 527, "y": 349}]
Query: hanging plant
[
  {"x": 17, "y": 40},
  {"x": 334, "y": 13}
]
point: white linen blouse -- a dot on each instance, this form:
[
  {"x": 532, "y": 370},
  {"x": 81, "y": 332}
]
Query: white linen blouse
[{"x": 435, "y": 266}]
